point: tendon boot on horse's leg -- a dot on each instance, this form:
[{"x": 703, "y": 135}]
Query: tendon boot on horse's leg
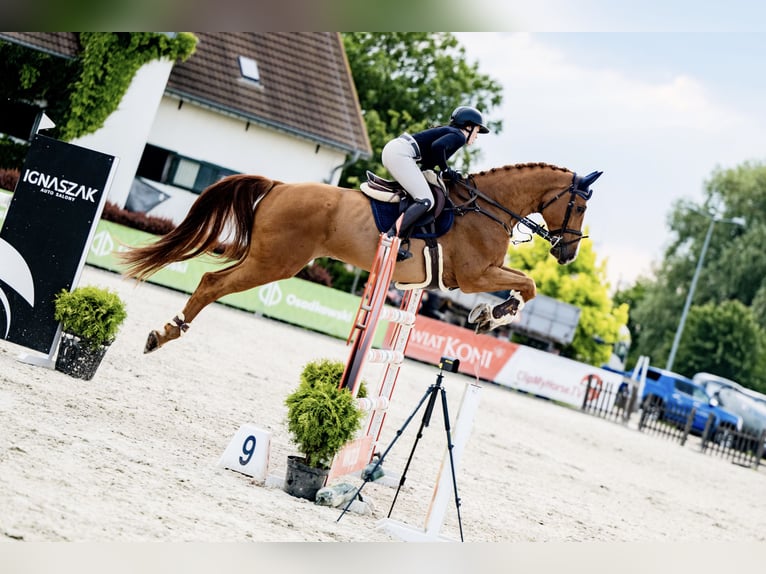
[
  {"x": 508, "y": 308},
  {"x": 414, "y": 212},
  {"x": 487, "y": 318},
  {"x": 172, "y": 330}
]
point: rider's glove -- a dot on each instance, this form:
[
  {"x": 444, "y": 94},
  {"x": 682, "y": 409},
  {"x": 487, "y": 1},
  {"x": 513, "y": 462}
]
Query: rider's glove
[{"x": 450, "y": 173}]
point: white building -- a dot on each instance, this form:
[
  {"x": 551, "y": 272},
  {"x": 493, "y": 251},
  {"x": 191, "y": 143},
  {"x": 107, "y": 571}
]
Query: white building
[{"x": 280, "y": 104}]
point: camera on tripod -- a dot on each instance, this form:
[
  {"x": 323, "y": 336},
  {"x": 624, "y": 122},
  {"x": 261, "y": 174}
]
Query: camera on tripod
[{"x": 449, "y": 364}]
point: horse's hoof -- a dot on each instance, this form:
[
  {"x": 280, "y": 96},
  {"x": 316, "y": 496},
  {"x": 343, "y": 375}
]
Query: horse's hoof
[
  {"x": 483, "y": 327},
  {"x": 479, "y": 314},
  {"x": 152, "y": 342}
]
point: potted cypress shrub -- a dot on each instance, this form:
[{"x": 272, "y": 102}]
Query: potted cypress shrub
[
  {"x": 321, "y": 418},
  {"x": 90, "y": 318}
]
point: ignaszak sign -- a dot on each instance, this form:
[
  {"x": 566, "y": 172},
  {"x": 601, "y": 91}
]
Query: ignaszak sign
[{"x": 44, "y": 239}]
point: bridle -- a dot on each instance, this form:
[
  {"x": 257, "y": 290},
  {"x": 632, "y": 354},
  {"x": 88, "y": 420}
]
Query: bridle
[{"x": 554, "y": 237}]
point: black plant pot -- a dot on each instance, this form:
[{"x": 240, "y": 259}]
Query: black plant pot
[
  {"x": 303, "y": 481},
  {"x": 77, "y": 358}
]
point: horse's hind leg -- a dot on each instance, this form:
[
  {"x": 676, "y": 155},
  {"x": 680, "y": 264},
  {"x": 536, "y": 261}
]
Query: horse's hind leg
[
  {"x": 212, "y": 287},
  {"x": 172, "y": 330}
]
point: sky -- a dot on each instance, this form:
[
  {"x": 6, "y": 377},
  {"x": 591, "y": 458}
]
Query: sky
[{"x": 657, "y": 112}]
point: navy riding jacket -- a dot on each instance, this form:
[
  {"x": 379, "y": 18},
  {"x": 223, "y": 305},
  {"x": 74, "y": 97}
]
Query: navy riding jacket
[{"x": 437, "y": 145}]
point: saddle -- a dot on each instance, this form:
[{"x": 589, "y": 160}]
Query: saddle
[{"x": 389, "y": 199}]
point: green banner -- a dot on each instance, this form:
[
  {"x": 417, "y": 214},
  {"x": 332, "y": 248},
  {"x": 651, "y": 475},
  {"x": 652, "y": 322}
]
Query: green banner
[{"x": 294, "y": 301}]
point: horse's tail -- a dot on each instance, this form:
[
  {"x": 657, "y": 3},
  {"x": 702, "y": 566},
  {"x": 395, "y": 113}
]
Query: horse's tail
[{"x": 226, "y": 206}]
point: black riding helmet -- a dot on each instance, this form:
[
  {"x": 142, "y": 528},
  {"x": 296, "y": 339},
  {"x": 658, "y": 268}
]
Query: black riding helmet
[{"x": 466, "y": 116}]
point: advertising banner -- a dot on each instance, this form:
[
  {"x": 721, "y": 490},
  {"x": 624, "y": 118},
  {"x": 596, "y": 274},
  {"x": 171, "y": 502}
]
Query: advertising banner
[
  {"x": 481, "y": 356},
  {"x": 499, "y": 361},
  {"x": 557, "y": 378},
  {"x": 45, "y": 235}
]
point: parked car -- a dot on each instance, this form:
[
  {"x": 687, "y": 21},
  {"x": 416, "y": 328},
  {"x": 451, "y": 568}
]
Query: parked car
[
  {"x": 671, "y": 396},
  {"x": 753, "y": 414},
  {"x": 713, "y": 382},
  {"x": 738, "y": 399}
]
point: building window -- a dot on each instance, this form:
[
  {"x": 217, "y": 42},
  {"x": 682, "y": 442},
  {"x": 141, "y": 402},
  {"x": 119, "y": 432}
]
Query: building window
[
  {"x": 165, "y": 166},
  {"x": 249, "y": 69},
  {"x": 185, "y": 173}
]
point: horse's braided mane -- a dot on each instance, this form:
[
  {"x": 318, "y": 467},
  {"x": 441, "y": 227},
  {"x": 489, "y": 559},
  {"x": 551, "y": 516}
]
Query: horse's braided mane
[{"x": 522, "y": 166}]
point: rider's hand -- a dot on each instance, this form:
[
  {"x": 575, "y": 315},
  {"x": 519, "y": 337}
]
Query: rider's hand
[{"x": 450, "y": 173}]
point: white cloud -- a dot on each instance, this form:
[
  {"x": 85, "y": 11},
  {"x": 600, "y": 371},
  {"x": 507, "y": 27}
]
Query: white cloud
[
  {"x": 611, "y": 16},
  {"x": 657, "y": 135},
  {"x": 624, "y": 264},
  {"x": 544, "y": 85}
]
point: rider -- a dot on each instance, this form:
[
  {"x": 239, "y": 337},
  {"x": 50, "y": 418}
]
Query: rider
[{"x": 429, "y": 148}]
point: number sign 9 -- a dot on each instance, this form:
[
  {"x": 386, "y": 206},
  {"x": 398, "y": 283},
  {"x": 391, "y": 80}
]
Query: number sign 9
[
  {"x": 248, "y": 452},
  {"x": 248, "y": 448}
]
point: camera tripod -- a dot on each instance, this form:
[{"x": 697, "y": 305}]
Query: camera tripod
[{"x": 430, "y": 395}]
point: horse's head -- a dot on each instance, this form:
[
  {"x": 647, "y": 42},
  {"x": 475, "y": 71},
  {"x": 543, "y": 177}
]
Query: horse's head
[
  {"x": 513, "y": 192},
  {"x": 564, "y": 212}
]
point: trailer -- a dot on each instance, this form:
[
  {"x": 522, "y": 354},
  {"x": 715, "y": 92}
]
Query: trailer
[{"x": 543, "y": 319}]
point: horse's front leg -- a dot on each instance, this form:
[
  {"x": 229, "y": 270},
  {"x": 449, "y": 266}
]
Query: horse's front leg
[{"x": 487, "y": 317}]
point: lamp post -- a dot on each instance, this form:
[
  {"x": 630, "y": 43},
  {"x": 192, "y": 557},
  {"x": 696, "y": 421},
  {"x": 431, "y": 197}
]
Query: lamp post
[{"x": 677, "y": 339}]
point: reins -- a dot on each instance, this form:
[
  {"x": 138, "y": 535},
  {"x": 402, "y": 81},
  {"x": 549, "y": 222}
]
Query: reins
[{"x": 553, "y": 237}]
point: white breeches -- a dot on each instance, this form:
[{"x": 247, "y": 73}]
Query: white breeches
[{"x": 399, "y": 159}]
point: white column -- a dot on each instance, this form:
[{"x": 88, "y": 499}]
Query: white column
[
  {"x": 126, "y": 130},
  {"x": 444, "y": 491}
]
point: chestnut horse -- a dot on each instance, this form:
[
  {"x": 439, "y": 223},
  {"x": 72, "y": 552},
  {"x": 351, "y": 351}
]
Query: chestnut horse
[{"x": 271, "y": 230}]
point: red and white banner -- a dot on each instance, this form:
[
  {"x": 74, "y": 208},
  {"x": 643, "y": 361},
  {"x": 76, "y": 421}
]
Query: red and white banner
[{"x": 505, "y": 363}]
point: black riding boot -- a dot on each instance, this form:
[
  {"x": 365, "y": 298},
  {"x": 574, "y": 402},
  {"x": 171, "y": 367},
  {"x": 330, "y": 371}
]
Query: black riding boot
[{"x": 413, "y": 213}]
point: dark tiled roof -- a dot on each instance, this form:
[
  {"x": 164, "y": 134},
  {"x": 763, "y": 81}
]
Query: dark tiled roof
[
  {"x": 305, "y": 84},
  {"x": 57, "y": 43}
]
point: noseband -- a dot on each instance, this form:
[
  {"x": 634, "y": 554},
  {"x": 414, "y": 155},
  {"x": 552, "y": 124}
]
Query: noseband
[{"x": 553, "y": 237}]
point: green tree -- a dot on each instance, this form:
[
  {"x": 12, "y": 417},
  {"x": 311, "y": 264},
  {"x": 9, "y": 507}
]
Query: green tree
[
  {"x": 653, "y": 320},
  {"x": 632, "y": 296},
  {"x": 109, "y": 60},
  {"x": 734, "y": 269},
  {"x": 582, "y": 283},
  {"x": 32, "y": 77},
  {"x": 408, "y": 81},
  {"x": 737, "y": 268},
  {"x": 723, "y": 339},
  {"x": 79, "y": 94}
]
